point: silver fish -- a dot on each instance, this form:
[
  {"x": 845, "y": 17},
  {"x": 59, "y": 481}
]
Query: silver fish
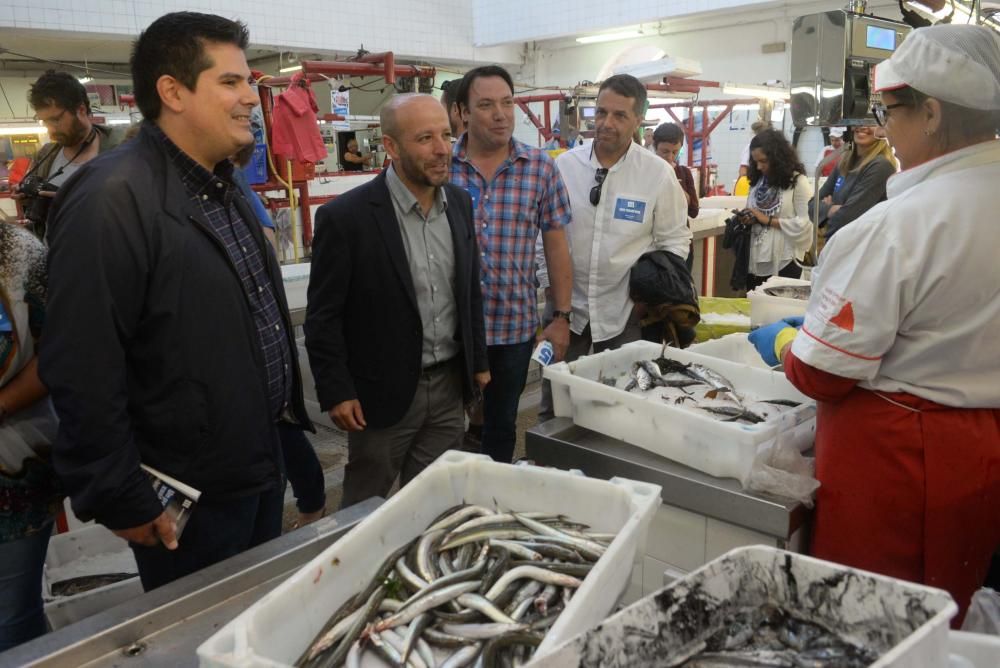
[{"x": 802, "y": 292}]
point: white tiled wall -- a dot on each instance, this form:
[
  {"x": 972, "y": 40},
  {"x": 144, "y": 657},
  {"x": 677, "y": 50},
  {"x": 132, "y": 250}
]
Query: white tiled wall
[
  {"x": 525, "y": 20},
  {"x": 426, "y": 29}
]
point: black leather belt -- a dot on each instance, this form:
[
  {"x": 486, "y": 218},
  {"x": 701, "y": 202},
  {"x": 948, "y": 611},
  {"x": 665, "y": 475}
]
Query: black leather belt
[{"x": 437, "y": 367}]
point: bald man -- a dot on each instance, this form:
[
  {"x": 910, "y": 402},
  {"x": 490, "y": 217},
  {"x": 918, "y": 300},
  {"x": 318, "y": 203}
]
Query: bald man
[{"x": 394, "y": 325}]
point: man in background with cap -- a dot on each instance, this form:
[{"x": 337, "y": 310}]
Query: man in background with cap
[
  {"x": 897, "y": 344},
  {"x": 830, "y": 154}
]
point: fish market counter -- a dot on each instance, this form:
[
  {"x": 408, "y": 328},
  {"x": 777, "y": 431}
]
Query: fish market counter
[
  {"x": 164, "y": 627},
  {"x": 702, "y": 517}
]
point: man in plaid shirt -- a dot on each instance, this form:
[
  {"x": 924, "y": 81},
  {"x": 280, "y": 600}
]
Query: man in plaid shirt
[{"x": 516, "y": 192}]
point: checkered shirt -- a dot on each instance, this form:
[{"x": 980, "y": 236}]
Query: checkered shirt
[
  {"x": 524, "y": 196},
  {"x": 214, "y": 195}
]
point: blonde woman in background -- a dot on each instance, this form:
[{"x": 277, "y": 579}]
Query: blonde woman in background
[{"x": 858, "y": 182}]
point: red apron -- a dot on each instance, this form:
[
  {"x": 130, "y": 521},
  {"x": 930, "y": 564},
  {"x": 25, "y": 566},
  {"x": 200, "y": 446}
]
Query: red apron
[{"x": 909, "y": 489}]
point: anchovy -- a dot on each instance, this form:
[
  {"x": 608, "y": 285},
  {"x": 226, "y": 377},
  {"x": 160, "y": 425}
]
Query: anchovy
[
  {"x": 463, "y": 657},
  {"x": 482, "y": 631},
  {"x": 534, "y": 573},
  {"x": 733, "y": 413},
  {"x": 406, "y": 614},
  {"x": 697, "y": 372}
]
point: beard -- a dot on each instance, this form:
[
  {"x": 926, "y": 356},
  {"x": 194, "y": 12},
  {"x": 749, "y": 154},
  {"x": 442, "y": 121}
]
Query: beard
[
  {"x": 73, "y": 136},
  {"x": 417, "y": 172}
]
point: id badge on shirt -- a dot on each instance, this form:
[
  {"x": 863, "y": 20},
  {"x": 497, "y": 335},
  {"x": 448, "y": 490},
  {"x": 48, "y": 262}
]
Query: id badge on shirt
[
  {"x": 631, "y": 210},
  {"x": 5, "y": 323}
]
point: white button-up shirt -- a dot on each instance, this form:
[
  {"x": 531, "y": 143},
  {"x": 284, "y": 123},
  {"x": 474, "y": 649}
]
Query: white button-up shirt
[
  {"x": 642, "y": 208},
  {"x": 907, "y": 297}
]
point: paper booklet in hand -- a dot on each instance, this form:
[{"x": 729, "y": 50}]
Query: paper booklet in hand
[{"x": 177, "y": 498}]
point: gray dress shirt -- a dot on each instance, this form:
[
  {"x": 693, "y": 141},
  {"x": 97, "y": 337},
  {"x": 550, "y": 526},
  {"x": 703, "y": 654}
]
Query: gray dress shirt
[{"x": 431, "y": 256}]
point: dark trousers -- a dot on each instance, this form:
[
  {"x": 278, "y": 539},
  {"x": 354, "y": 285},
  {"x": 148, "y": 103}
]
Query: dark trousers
[
  {"x": 215, "y": 531},
  {"x": 22, "y": 613},
  {"x": 790, "y": 270},
  {"x": 302, "y": 467},
  {"x": 508, "y": 373},
  {"x": 433, "y": 424}
]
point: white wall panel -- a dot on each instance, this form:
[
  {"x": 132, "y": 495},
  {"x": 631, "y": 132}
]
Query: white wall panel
[{"x": 427, "y": 29}]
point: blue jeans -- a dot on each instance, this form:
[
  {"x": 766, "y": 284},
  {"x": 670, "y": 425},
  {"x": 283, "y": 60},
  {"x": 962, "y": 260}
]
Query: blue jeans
[
  {"x": 302, "y": 468},
  {"x": 508, "y": 373},
  {"x": 22, "y": 616},
  {"x": 214, "y": 532}
]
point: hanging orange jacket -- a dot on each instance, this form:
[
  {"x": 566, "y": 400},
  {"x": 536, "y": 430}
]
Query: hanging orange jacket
[
  {"x": 295, "y": 131},
  {"x": 909, "y": 488}
]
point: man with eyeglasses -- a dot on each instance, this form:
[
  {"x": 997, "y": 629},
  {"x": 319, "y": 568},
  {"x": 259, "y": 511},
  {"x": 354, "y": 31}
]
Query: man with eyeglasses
[
  {"x": 61, "y": 105},
  {"x": 516, "y": 193},
  {"x": 625, "y": 201}
]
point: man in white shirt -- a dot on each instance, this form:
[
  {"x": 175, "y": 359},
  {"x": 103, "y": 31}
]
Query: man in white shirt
[{"x": 625, "y": 201}]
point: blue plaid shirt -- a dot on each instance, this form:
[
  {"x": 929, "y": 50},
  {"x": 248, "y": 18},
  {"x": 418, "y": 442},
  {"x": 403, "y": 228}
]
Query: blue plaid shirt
[
  {"x": 214, "y": 194},
  {"x": 524, "y": 196}
]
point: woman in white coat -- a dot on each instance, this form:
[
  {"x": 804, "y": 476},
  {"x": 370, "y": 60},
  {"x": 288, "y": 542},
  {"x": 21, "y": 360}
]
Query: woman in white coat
[
  {"x": 899, "y": 345},
  {"x": 778, "y": 209}
]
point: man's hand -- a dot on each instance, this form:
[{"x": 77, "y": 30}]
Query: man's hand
[
  {"x": 348, "y": 415},
  {"x": 833, "y": 209},
  {"x": 482, "y": 379},
  {"x": 557, "y": 333},
  {"x": 161, "y": 530},
  {"x": 827, "y": 200}
]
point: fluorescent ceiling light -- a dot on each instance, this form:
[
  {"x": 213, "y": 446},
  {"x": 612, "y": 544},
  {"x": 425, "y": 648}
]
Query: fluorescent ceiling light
[
  {"x": 22, "y": 130},
  {"x": 608, "y": 37},
  {"x": 86, "y": 79},
  {"x": 763, "y": 92},
  {"x": 291, "y": 68}
]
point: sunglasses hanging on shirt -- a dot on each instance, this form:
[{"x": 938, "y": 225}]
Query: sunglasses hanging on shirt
[{"x": 595, "y": 192}]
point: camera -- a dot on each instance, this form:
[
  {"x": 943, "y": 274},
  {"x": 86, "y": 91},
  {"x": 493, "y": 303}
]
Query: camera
[
  {"x": 33, "y": 186},
  {"x": 37, "y": 208}
]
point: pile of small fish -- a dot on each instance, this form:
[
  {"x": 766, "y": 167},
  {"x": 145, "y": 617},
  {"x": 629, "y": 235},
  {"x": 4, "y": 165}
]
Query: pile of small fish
[
  {"x": 479, "y": 585},
  {"x": 700, "y": 389},
  {"x": 771, "y": 636},
  {"x": 78, "y": 585},
  {"x": 790, "y": 292}
]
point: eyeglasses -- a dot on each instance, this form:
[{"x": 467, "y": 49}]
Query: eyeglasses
[
  {"x": 880, "y": 111},
  {"x": 595, "y": 192},
  {"x": 54, "y": 120}
]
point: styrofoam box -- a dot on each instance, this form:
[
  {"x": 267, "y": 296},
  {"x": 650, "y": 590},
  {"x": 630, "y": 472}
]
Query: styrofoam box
[
  {"x": 973, "y": 650},
  {"x": 734, "y": 347},
  {"x": 295, "y": 278},
  {"x": 906, "y": 622},
  {"x": 722, "y": 449},
  {"x": 765, "y": 309},
  {"x": 91, "y": 550},
  {"x": 276, "y": 630}
]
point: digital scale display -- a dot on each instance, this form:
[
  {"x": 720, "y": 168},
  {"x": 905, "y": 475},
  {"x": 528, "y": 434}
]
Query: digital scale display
[{"x": 880, "y": 38}]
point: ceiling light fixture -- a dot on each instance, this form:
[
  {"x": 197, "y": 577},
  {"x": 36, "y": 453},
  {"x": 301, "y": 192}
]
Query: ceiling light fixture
[
  {"x": 609, "y": 37},
  {"x": 291, "y": 68},
  {"x": 761, "y": 92},
  {"x": 86, "y": 79},
  {"x": 22, "y": 130}
]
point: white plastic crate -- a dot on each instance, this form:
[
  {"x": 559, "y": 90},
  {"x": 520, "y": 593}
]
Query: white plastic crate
[
  {"x": 722, "y": 449},
  {"x": 765, "y": 309},
  {"x": 732, "y": 347},
  {"x": 906, "y": 623},
  {"x": 295, "y": 278},
  {"x": 91, "y": 550},
  {"x": 276, "y": 630},
  {"x": 973, "y": 650}
]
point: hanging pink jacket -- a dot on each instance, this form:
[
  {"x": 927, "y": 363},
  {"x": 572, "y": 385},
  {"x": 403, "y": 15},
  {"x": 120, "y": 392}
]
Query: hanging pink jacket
[{"x": 294, "y": 131}]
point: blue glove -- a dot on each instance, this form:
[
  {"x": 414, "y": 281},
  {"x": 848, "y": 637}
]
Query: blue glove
[{"x": 769, "y": 340}]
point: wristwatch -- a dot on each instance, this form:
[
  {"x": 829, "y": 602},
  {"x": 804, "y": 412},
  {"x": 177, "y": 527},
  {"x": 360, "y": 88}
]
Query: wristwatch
[{"x": 565, "y": 315}]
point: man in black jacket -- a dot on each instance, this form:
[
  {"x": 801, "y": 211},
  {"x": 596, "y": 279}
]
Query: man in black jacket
[
  {"x": 394, "y": 326},
  {"x": 169, "y": 342}
]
